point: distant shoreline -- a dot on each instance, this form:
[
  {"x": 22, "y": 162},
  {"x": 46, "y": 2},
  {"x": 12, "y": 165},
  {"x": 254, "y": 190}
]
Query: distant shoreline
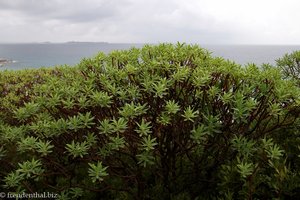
[
  {"x": 4, "y": 61},
  {"x": 21, "y": 56}
]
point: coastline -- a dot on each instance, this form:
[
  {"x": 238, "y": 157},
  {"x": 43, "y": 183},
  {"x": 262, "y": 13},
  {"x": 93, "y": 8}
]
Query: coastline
[{"x": 4, "y": 61}]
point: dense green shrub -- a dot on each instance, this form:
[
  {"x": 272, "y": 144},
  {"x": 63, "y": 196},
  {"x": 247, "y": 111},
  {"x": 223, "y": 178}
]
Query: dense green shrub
[
  {"x": 290, "y": 65},
  {"x": 161, "y": 122}
]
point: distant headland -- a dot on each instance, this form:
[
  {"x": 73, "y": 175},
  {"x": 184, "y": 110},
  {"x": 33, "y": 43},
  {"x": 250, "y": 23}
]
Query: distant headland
[{"x": 4, "y": 61}]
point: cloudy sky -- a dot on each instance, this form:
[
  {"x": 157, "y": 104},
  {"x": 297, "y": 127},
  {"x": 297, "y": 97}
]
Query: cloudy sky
[{"x": 151, "y": 21}]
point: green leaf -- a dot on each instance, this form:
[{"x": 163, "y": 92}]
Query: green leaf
[
  {"x": 100, "y": 98},
  {"x": 74, "y": 123},
  {"x": 189, "y": 114},
  {"x": 64, "y": 196},
  {"x": 3, "y": 152},
  {"x": 97, "y": 172},
  {"x": 27, "y": 111},
  {"x": 87, "y": 121},
  {"x": 199, "y": 134},
  {"x": 13, "y": 179},
  {"x": 145, "y": 158},
  {"x": 77, "y": 149},
  {"x": 227, "y": 97},
  {"x": 13, "y": 133},
  {"x": 44, "y": 147},
  {"x": 245, "y": 169},
  {"x": 172, "y": 107},
  {"x": 244, "y": 146},
  {"x": 164, "y": 119},
  {"x": 91, "y": 139},
  {"x": 69, "y": 103},
  {"x": 144, "y": 128},
  {"x": 131, "y": 69},
  {"x": 106, "y": 127},
  {"x": 201, "y": 77},
  {"x": 76, "y": 192},
  {"x": 116, "y": 142},
  {"x": 213, "y": 91},
  {"x": 119, "y": 125},
  {"x": 148, "y": 143},
  {"x": 274, "y": 152},
  {"x": 213, "y": 124},
  {"x": 27, "y": 144},
  {"x": 30, "y": 169},
  {"x": 181, "y": 74},
  {"x": 128, "y": 110},
  {"x": 148, "y": 84},
  {"x": 160, "y": 88}
]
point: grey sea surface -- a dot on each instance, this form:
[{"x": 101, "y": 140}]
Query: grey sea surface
[
  {"x": 36, "y": 55},
  {"x": 257, "y": 54}
]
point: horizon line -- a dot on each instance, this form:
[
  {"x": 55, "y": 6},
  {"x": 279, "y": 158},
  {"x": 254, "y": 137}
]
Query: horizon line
[{"x": 152, "y": 43}]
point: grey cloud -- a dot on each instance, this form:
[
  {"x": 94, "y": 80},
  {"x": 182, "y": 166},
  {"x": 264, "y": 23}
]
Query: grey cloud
[
  {"x": 116, "y": 20},
  {"x": 203, "y": 21},
  {"x": 72, "y": 11}
]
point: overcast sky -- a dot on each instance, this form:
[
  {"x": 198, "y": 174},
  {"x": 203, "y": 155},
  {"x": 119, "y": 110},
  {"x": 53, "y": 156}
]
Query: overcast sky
[{"x": 151, "y": 21}]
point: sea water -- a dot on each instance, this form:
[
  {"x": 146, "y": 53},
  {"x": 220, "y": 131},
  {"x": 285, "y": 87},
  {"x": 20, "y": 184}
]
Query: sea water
[
  {"x": 257, "y": 54},
  {"x": 50, "y": 54},
  {"x": 38, "y": 55}
]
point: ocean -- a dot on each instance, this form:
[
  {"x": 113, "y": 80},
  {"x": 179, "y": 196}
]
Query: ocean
[{"x": 37, "y": 55}]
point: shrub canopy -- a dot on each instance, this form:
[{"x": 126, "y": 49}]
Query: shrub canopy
[{"x": 160, "y": 122}]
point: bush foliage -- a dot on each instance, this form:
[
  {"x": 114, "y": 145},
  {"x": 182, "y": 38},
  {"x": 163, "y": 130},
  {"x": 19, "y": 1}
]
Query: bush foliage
[{"x": 160, "y": 122}]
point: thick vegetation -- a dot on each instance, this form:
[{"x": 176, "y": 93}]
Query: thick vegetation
[{"x": 161, "y": 122}]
